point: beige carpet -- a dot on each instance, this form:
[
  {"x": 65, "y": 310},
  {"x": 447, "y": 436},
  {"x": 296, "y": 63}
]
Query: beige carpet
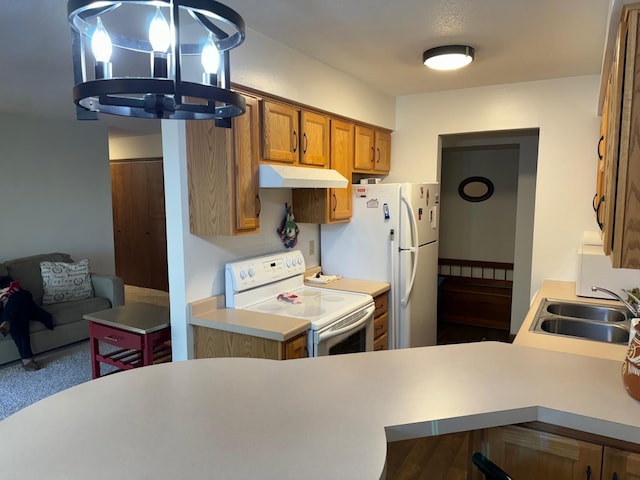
[{"x": 133, "y": 294}]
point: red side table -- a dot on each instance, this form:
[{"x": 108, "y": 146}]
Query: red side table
[{"x": 141, "y": 333}]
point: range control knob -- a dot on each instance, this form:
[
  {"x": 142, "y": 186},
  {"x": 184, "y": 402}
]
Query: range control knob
[
  {"x": 252, "y": 272},
  {"x": 288, "y": 263},
  {"x": 243, "y": 274},
  {"x": 300, "y": 261}
]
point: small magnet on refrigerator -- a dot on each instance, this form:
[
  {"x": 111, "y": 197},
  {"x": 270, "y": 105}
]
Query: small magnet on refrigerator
[
  {"x": 385, "y": 209},
  {"x": 420, "y": 213}
]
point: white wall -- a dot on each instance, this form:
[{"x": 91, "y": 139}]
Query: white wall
[
  {"x": 55, "y": 190},
  {"x": 479, "y": 230},
  {"x": 140, "y": 146},
  {"x": 565, "y": 112},
  {"x": 196, "y": 264}
]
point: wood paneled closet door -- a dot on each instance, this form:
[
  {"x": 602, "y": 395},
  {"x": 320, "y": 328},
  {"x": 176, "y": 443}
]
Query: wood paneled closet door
[{"x": 139, "y": 226}]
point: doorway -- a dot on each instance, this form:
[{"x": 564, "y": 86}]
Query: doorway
[
  {"x": 492, "y": 235},
  {"x": 139, "y": 225}
]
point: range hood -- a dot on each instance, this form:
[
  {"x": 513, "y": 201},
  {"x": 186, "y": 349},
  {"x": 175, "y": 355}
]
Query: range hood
[{"x": 286, "y": 176}]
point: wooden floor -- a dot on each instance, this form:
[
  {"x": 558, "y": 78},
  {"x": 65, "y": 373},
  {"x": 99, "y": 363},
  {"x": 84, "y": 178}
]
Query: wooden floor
[
  {"x": 455, "y": 333},
  {"x": 445, "y": 457}
]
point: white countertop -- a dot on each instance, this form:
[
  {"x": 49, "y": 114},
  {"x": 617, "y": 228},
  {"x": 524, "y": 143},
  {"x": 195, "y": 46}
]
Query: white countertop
[
  {"x": 317, "y": 418},
  {"x": 560, "y": 290}
]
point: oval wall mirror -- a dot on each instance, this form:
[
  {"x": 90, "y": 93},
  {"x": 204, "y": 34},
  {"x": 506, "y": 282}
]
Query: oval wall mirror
[{"x": 475, "y": 189}]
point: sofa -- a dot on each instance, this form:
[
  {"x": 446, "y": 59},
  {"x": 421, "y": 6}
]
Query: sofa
[{"x": 108, "y": 292}]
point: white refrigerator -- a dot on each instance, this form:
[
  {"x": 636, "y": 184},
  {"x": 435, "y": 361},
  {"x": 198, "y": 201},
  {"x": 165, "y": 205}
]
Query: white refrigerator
[{"x": 392, "y": 237}]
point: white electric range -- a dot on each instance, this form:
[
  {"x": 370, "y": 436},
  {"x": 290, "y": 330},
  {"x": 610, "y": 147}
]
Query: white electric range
[{"x": 341, "y": 322}]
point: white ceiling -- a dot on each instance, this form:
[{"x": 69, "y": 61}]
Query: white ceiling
[{"x": 378, "y": 41}]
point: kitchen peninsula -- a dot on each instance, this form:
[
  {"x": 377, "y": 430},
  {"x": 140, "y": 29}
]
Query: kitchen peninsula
[{"x": 326, "y": 417}]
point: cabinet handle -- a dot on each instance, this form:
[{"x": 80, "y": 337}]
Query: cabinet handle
[
  {"x": 378, "y": 155},
  {"x": 588, "y": 472},
  {"x": 295, "y": 141},
  {"x": 305, "y": 142},
  {"x": 373, "y": 155},
  {"x": 259, "y": 206},
  {"x": 112, "y": 338},
  {"x": 615, "y": 476},
  {"x": 335, "y": 202},
  {"x": 600, "y": 157},
  {"x": 600, "y": 202}
]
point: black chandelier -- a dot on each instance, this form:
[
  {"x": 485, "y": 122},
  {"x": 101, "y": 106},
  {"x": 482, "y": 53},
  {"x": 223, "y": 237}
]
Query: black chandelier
[{"x": 145, "y": 66}]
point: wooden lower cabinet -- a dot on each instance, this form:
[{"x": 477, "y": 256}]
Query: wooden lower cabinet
[
  {"x": 529, "y": 451},
  {"x": 620, "y": 464},
  {"x": 381, "y": 322},
  {"x": 526, "y": 454},
  {"x": 212, "y": 343}
]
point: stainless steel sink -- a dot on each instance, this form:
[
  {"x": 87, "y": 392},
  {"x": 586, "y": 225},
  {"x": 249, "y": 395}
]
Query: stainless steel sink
[
  {"x": 601, "y": 323},
  {"x": 600, "y": 331},
  {"x": 587, "y": 311}
]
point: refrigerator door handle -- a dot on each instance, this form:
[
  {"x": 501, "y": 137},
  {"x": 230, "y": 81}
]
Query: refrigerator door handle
[{"x": 413, "y": 250}]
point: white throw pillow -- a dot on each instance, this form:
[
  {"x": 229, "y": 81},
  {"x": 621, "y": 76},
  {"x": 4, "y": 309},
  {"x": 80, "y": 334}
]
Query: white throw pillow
[{"x": 65, "y": 282}]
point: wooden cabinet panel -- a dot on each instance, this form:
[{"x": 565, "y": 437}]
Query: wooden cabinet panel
[
  {"x": 212, "y": 343},
  {"x": 315, "y": 139},
  {"x": 246, "y": 136},
  {"x": 222, "y": 167},
  {"x": 364, "y": 149},
  {"x": 528, "y": 454},
  {"x": 381, "y": 322},
  {"x": 620, "y": 465},
  {"x": 341, "y": 161},
  {"x": 296, "y": 347},
  {"x": 280, "y": 132},
  {"x": 139, "y": 224},
  {"x": 372, "y": 151},
  {"x": 621, "y": 223},
  {"x": 383, "y": 152},
  {"x": 329, "y": 205}
]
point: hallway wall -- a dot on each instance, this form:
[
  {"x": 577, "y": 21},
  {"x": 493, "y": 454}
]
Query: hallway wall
[{"x": 479, "y": 230}]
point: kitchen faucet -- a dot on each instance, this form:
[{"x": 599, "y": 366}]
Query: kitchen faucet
[{"x": 635, "y": 311}]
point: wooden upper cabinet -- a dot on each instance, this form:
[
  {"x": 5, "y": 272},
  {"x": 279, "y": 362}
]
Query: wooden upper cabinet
[
  {"x": 329, "y": 205},
  {"x": 341, "y": 161},
  {"x": 382, "y": 162},
  {"x": 365, "y": 151},
  {"x": 621, "y": 223},
  {"x": 222, "y": 166},
  {"x": 280, "y": 132},
  {"x": 246, "y": 136},
  {"x": 372, "y": 150},
  {"x": 620, "y": 464},
  {"x": 314, "y": 143}
]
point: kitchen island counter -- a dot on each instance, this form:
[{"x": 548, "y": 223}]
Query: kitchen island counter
[{"x": 316, "y": 418}]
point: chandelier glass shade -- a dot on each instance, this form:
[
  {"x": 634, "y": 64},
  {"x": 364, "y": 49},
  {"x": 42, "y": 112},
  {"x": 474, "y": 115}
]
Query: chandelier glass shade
[{"x": 155, "y": 58}]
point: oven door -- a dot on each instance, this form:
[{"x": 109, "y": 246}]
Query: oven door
[{"x": 351, "y": 334}]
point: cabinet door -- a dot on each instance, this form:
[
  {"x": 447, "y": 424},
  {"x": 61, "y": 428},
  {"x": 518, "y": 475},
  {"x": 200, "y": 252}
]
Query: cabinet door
[
  {"x": 598, "y": 199},
  {"x": 222, "y": 169},
  {"x": 527, "y": 454},
  {"x": 296, "y": 348},
  {"x": 246, "y": 159},
  {"x": 139, "y": 226},
  {"x": 620, "y": 465},
  {"x": 341, "y": 161},
  {"x": 279, "y": 132},
  {"x": 383, "y": 152},
  {"x": 315, "y": 139},
  {"x": 614, "y": 104},
  {"x": 364, "y": 149}
]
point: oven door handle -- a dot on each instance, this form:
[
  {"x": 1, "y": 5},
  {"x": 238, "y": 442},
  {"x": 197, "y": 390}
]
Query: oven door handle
[{"x": 352, "y": 326}]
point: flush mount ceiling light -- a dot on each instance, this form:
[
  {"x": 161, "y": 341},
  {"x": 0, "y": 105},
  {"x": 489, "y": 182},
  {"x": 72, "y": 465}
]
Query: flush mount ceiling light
[
  {"x": 170, "y": 58},
  {"x": 448, "y": 57}
]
